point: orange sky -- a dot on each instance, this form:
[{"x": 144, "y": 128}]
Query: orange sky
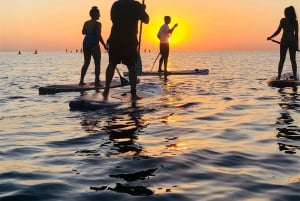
[{"x": 203, "y": 25}]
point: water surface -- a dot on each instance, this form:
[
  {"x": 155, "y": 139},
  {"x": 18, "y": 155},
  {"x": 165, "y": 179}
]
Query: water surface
[{"x": 222, "y": 136}]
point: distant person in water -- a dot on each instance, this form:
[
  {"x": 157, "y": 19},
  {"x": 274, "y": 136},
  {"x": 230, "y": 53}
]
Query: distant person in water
[
  {"x": 91, "y": 48},
  {"x": 164, "y": 47},
  {"x": 123, "y": 42},
  {"x": 289, "y": 40}
]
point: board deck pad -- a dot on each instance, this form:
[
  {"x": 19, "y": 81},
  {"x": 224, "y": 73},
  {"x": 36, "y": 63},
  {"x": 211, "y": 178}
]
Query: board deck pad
[
  {"x": 52, "y": 89},
  {"x": 96, "y": 101},
  {"x": 182, "y": 72},
  {"x": 286, "y": 80}
]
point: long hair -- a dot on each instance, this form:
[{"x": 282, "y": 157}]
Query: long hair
[{"x": 290, "y": 14}]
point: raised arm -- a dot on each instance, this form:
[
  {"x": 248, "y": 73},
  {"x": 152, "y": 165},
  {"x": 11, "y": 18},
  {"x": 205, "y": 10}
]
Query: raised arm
[
  {"x": 276, "y": 32},
  {"x": 172, "y": 29}
]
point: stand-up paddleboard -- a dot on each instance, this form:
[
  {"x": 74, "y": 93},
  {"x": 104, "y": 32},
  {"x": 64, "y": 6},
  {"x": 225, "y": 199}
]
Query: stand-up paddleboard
[
  {"x": 183, "y": 72},
  {"x": 52, "y": 89},
  {"x": 286, "y": 80},
  {"x": 95, "y": 101}
]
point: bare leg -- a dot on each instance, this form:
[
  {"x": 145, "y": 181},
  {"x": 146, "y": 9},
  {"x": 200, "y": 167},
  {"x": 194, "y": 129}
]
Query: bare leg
[
  {"x": 133, "y": 81},
  {"x": 283, "y": 51},
  {"x": 165, "y": 67},
  {"x": 97, "y": 74},
  {"x": 166, "y": 60},
  {"x": 83, "y": 72},
  {"x": 109, "y": 75},
  {"x": 87, "y": 60},
  {"x": 293, "y": 62},
  {"x": 160, "y": 63},
  {"x": 97, "y": 59}
]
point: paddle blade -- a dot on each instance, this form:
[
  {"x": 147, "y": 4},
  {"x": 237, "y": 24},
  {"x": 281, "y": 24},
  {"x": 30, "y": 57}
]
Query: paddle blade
[
  {"x": 124, "y": 82},
  {"x": 138, "y": 65}
]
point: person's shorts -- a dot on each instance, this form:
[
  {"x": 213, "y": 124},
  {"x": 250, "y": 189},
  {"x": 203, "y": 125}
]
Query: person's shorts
[
  {"x": 164, "y": 49},
  {"x": 124, "y": 52},
  {"x": 94, "y": 52}
]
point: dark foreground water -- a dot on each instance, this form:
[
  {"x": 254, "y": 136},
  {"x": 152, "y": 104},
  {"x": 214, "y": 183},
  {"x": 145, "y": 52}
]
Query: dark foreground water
[{"x": 223, "y": 136}]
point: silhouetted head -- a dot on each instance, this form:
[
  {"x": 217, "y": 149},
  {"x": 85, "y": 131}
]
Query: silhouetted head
[
  {"x": 94, "y": 12},
  {"x": 290, "y": 14},
  {"x": 167, "y": 19}
]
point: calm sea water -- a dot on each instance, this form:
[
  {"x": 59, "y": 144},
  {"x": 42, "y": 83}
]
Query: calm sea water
[{"x": 222, "y": 136}]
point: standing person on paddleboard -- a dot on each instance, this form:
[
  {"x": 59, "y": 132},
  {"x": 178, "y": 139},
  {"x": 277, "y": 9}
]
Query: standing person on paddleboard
[
  {"x": 289, "y": 40},
  {"x": 92, "y": 31},
  {"x": 164, "y": 47},
  {"x": 123, "y": 42}
]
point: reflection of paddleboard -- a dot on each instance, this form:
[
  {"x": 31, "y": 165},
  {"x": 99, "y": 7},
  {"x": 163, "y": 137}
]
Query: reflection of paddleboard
[
  {"x": 52, "y": 89},
  {"x": 286, "y": 80},
  {"x": 182, "y": 72},
  {"x": 95, "y": 101}
]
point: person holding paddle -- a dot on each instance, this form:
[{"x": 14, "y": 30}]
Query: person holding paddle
[
  {"x": 164, "y": 47},
  {"x": 92, "y": 31},
  {"x": 122, "y": 42},
  {"x": 289, "y": 40}
]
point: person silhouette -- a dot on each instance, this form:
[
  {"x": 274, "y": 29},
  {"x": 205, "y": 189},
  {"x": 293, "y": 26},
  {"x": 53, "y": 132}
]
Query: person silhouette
[
  {"x": 122, "y": 42},
  {"x": 289, "y": 40},
  {"x": 164, "y": 47},
  {"x": 92, "y": 31}
]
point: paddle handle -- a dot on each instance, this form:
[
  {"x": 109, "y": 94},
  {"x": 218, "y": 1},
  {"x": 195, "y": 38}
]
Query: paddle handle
[{"x": 278, "y": 42}]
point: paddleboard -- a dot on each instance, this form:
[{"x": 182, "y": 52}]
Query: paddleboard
[
  {"x": 95, "y": 101},
  {"x": 183, "y": 72},
  {"x": 52, "y": 89},
  {"x": 286, "y": 80}
]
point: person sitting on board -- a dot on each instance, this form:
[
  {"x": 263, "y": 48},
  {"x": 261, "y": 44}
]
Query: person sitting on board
[
  {"x": 164, "y": 47},
  {"x": 92, "y": 31},
  {"x": 289, "y": 40},
  {"x": 122, "y": 42}
]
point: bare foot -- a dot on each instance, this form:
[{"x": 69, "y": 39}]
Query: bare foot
[
  {"x": 105, "y": 94},
  {"x": 98, "y": 84}
]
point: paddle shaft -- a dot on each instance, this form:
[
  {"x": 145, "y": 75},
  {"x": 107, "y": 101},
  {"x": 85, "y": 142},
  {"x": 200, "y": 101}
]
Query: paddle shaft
[
  {"x": 278, "y": 42},
  {"x": 124, "y": 81},
  {"x": 140, "y": 33},
  {"x": 155, "y": 61},
  {"x": 138, "y": 63}
]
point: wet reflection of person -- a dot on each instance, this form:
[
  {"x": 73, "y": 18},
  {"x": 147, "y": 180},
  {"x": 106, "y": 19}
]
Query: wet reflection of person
[
  {"x": 123, "y": 131},
  {"x": 290, "y": 101}
]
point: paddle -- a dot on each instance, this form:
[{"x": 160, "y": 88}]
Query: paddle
[
  {"x": 155, "y": 61},
  {"x": 138, "y": 63},
  {"x": 278, "y": 42},
  {"x": 275, "y": 41},
  {"x": 123, "y": 80}
]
